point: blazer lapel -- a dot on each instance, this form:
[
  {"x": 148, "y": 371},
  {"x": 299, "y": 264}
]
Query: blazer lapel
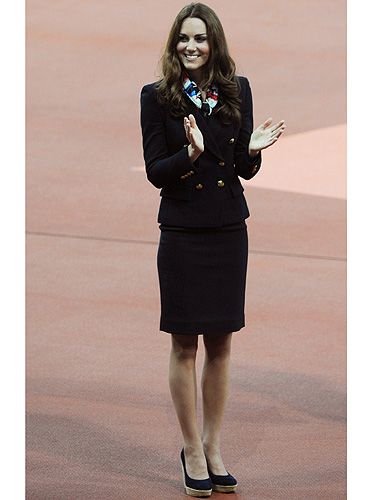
[{"x": 209, "y": 139}]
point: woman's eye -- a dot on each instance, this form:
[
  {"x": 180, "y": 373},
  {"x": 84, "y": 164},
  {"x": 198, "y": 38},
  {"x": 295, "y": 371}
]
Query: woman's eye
[{"x": 185, "y": 39}]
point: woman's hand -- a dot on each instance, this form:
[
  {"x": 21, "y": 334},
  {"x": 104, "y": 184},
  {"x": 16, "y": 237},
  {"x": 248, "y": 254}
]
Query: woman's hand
[
  {"x": 194, "y": 136},
  {"x": 265, "y": 135}
]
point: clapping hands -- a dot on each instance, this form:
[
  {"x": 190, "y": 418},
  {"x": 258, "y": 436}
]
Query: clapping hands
[{"x": 262, "y": 137}]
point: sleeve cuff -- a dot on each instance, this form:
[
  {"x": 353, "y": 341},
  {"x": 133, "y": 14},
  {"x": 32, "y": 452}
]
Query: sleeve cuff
[
  {"x": 254, "y": 160},
  {"x": 186, "y": 167}
]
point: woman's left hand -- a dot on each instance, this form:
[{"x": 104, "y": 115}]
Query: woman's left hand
[{"x": 265, "y": 135}]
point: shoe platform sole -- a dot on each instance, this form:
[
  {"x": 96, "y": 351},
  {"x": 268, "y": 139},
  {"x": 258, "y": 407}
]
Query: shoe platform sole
[
  {"x": 224, "y": 489},
  {"x": 191, "y": 491}
]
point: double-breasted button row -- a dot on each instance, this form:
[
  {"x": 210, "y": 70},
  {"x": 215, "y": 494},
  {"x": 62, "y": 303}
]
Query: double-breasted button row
[
  {"x": 188, "y": 174},
  {"x": 220, "y": 183}
]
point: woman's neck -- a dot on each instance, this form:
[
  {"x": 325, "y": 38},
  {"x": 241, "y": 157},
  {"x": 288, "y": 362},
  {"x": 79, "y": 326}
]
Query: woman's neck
[{"x": 196, "y": 76}]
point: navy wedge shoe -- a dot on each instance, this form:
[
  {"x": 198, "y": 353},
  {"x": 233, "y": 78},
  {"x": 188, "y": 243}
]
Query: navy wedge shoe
[
  {"x": 195, "y": 487},
  {"x": 224, "y": 484}
]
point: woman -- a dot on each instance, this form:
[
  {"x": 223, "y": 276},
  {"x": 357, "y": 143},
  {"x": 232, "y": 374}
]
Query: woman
[{"x": 198, "y": 139}]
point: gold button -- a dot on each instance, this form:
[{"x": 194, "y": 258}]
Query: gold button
[
  {"x": 220, "y": 183},
  {"x": 191, "y": 172},
  {"x": 231, "y": 141},
  {"x": 199, "y": 186},
  {"x": 221, "y": 163},
  {"x": 182, "y": 176},
  {"x": 254, "y": 169}
]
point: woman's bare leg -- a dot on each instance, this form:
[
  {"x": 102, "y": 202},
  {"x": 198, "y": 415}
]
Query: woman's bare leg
[
  {"x": 215, "y": 391},
  {"x": 183, "y": 387}
]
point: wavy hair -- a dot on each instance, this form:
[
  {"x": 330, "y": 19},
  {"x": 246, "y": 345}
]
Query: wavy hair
[{"x": 220, "y": 68}]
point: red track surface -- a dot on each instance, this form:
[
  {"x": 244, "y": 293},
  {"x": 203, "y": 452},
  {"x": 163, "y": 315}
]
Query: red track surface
[{"x": 100, "y": 422}]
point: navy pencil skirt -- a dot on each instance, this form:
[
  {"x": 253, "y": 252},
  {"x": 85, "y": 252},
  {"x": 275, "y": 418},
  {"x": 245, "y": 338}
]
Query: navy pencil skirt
[{"x": 202, "y": 279}]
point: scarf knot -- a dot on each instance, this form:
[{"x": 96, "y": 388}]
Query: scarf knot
[{"x": 191, "y": 89}]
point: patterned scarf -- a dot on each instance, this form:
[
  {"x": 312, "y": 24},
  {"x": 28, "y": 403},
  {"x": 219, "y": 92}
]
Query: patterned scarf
[{"x": 192, "y": 90}]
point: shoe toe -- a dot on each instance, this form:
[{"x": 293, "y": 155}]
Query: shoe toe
[{"x": 227, "y": 480}]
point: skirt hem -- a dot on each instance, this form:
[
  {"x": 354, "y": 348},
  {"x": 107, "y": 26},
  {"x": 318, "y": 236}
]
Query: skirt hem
[{"x": 201, "y": 328}]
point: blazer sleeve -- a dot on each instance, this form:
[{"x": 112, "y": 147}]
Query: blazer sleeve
[
  {"x": 245, "y": 165},
  {"x": 162, "y": 169}
]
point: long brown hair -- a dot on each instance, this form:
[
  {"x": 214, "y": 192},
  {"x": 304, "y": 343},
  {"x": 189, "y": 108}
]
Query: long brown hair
[{"x": 220, "y": 67}]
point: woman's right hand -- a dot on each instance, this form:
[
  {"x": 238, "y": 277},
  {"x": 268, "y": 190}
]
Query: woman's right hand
[{"x": 194, "y": 136}]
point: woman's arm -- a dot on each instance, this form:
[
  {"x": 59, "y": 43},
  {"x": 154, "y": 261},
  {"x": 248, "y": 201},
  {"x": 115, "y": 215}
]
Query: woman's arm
[
  {"x": 162, "y": 169},
  {"x": 246, "y": 164}
]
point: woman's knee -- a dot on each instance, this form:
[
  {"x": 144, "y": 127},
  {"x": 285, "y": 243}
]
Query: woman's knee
[
  {"x": 184, "y": 346},
  {"x": 218, "y": 345}
]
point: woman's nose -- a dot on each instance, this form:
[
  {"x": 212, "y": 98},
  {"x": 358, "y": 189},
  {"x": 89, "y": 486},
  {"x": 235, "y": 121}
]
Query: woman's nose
[{"x": 191, "y": 46}]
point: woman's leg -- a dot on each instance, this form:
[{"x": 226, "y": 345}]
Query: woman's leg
[
  {"x": 215, "y": 390},
  {"x": 183, "y": 387}
]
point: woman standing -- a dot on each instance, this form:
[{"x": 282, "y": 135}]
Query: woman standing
[{"x": 198, "y": 139}]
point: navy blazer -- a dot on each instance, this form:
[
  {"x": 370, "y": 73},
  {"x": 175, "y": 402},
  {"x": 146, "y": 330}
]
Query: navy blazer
[{"x": 208, "y": 192}]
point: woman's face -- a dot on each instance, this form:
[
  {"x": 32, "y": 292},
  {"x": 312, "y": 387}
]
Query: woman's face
[{"x": 192, "y": 48}]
